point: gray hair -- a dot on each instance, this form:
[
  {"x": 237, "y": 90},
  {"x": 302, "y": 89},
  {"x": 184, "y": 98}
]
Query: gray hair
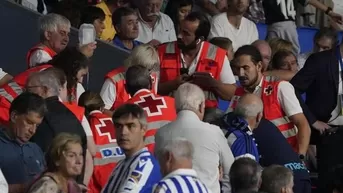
[
  {"x": 144, "y": 55},
  {"x": 48, "y": 79},
  {"x": 247, "y": 110},
  {"x": 51, "y": 22},
  {"x": 188, "y": 97},
  {"x": 181, "y": 148},
  {"x": 276, "y": 177}
]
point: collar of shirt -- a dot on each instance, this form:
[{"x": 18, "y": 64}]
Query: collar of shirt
[
  {"x": 119, "y": 43},
  {"x": 142, "y": 20},
  {"x": 138, "y": 152},
  {"x": 192, "y": 67},
  {"x": 189, "y": 114},
  {"x": 183, "y": 171},
  {"x": 7, "y": 139},
  {"x": 142, "y": 90},
  {"x": 95, "y": 111},
  {"x": 258, "y": 87}
]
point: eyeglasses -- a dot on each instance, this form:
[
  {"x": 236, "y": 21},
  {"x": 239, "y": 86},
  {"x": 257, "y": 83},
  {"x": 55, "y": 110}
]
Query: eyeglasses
[{"x": 30, "y": 87}]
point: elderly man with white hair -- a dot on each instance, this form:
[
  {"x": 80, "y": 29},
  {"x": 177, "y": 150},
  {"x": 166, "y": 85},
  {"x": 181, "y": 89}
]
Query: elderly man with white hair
[
  {"x": 210, "y": 147},
  {"x": 239, "y": 125},
  {"x": 175, "y": 159},
  {"x": 54, "y": 32},
  {"x": 59, "y": 118}
]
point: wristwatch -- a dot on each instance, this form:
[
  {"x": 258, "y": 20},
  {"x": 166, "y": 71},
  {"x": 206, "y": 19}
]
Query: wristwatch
[{"x": 301, "y": 156}]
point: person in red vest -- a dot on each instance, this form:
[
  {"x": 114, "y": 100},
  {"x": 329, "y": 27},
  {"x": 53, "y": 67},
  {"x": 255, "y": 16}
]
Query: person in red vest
[
  {"x": 281, "y": 105},
  {"x": 54, "y": 37},
  {"x": 193, "y": 59},
  {"x": 159, "y": 110},
  {"x": 113, "y": 90},
  {"x": 10, "y": 90},
  {"x": 108, "y": 152},
  {"x": 4, "y": 77}
]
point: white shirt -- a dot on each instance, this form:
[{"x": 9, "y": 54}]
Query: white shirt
[
  {"x": 180, "y": 180},
  {"x": 79, "y": 90},
  {"x": 108, "y": 93},
  {"x": 246, "y": 34},
  {"x": 3, "y": 183},
  {"x": 163, "y": 30},
  {"x": 33, "y": 5},
  {"x": 38, "y": 57},
  {"x": 209, "y": 152},
  {"x": 226, "y": 75},
  {"x": 2, "y": 74},
  {"x": 286, "y": 98},
  {"x": 336, "y": 117}
]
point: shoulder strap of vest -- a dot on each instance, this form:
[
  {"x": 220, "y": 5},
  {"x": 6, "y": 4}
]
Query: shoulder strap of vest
[{"x": 239, "y": 91}]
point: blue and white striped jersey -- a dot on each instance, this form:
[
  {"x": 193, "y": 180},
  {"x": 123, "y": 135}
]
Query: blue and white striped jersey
[
  {"x": 181, "y": 180},
  {"x": 136, "y": 174}
]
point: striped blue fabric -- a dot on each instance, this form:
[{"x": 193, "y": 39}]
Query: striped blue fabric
[
  {"x": 181, "y": 180},
  {"x": 136, "y": 174}
]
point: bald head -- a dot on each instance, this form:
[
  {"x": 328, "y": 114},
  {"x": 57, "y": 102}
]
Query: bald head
[
  {"x": 249, "y": 106},
  {"x": 265, "y": 51}
]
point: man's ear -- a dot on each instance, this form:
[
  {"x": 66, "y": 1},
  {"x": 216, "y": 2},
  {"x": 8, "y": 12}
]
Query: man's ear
[
  {"x": 259, "y": 117},
  {"x": 259, "y": 66},
  {"x": 144, "y": 129},
  {"x": 47, "y": 35},
  {"x": 117, "y": 28},
  {"x": 13, "y": 116},
  {"x": 202, "y": 108}
]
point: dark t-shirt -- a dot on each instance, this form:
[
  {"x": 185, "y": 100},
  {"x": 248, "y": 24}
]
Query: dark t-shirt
[
  {"x": 280, "y": 10},
  {"x": 274, "y": 149}
]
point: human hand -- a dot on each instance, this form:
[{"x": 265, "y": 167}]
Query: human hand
[
  {"x": 338, "y": 18},
  {"x": 181, "y": 79},
  {"x": 88, "y": 49},
  {"x": 204, "y": 80},
  {"x": 154, "y": 43},
  {"x": 321, "y": 126}
]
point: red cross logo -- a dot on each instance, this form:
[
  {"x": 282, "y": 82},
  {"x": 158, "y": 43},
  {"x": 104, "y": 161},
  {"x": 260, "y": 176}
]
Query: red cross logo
[
  {"x": 104, "y": 129},
  {"x": 152, "y": 104},
  {"x": 268, "y": 90}
]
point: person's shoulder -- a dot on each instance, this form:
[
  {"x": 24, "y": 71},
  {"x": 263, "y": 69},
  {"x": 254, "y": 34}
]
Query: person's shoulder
[
  {"x": 219, "y": 18},
  {"x": 45, "y": 184},
  {"x": 165, "y": 18},
  {"x": 248, "y": 22},
  {"x": 322, "y": 56}
]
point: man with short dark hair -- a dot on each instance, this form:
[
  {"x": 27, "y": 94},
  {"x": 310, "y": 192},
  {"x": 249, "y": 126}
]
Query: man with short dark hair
[
  {"x": 21, "y": 161},
  {"x": 245, "y": 175},
  {"x": 159, "y": 110},
  {"x": 281, "y": 105},
  {"x": 277, "y": 179},
  {"x": 194, "y": 59},
  {"x": 140, "y": 170},
  {"x": 125, "y": 21}
]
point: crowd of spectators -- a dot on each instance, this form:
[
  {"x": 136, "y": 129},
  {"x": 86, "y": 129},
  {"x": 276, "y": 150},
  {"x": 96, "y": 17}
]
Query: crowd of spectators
[{"x": 155, "y": 126}]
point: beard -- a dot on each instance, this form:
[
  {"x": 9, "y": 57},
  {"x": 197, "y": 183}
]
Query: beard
[
  {"x": 246, "y": 83},
  {"x": 184, "y": 47}
]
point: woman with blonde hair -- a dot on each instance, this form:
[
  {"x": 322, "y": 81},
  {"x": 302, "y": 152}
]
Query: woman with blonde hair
[
  {"x": 113, "y": 91},
  {"x": 64, "y": 162},
  {"x": 278, "y": 44}
]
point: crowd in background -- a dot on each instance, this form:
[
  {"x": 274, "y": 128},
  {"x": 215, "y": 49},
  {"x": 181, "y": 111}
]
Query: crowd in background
[{"x": 155, "y": 125}]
